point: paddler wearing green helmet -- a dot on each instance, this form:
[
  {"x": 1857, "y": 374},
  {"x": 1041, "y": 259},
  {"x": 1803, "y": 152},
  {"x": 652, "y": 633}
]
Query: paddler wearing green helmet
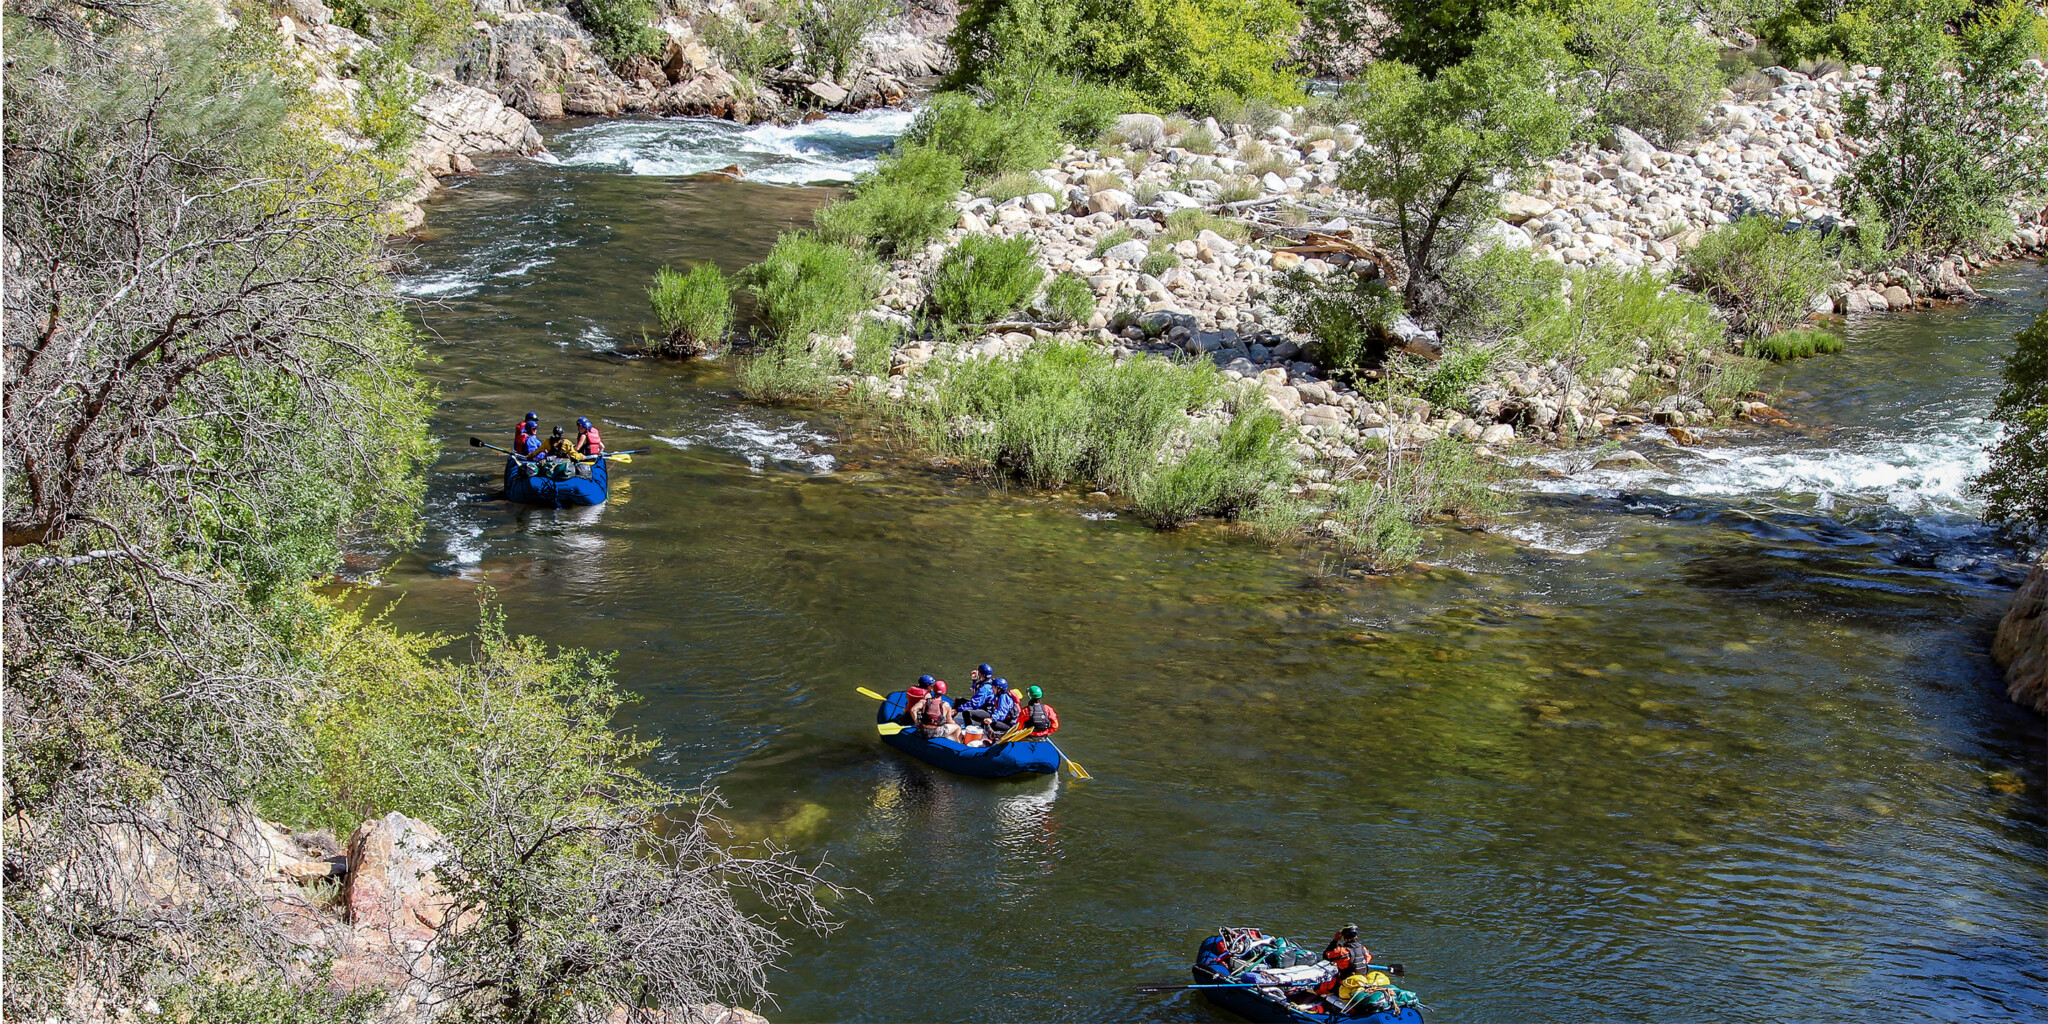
[{"x": 1038, "y": 715}]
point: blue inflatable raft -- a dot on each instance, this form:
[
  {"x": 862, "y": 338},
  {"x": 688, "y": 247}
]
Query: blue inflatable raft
[
  {"x": 1269, "y": 1004},
  {"x": 539, "y": 490},
  {"x": 1036, "y": 757}
]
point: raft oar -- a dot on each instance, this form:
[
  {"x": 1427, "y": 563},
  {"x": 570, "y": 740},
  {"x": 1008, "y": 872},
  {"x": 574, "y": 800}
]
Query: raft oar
[
  {"x": 624, "y": 456},
  {"x": 1072, "y": 765},
  {"x": 889, "y": 728},
  {"x": 865, "y": 692},
  {"x": 478, "y": 442}
]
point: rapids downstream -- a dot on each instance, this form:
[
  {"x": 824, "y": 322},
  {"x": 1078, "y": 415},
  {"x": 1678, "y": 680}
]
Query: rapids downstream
[{"x": 1720, "y": 739}]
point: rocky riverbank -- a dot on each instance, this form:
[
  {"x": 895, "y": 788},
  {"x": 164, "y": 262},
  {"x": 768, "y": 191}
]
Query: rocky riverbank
[
  {"x": 522, "y": 64},
  {"x": 1624, "y": 205},
  {"x": 2022, "y": 643}
]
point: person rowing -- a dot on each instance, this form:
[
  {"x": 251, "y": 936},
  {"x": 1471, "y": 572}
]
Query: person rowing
[
  {"x": 588, "y": 442},
  {"x": 522, "y": 435},
  {"x": 1039, "y": 716}
]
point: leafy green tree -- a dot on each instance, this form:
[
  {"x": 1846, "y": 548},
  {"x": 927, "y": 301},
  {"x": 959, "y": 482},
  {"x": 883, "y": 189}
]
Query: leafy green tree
[
  {"x": 624, "y": 28},
  {"x": 1763, "y": 274},
  {"x": 1956, "y": 127},
  {"x": 2015, "y": 485},
  {"x": 1170, "y": 54},
  {"x": 1439, "y": 152},
  {"x": 1652, "y": 72}
]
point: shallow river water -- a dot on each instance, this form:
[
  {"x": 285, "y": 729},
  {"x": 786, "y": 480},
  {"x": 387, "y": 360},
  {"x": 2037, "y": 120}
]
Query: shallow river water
[{"x": 1663, "y": 747}]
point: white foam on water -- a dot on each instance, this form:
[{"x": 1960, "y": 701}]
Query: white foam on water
[
  {"x": 1557, "y": 539},
  {"x": 447, "y": 284},
  {"x": 789, "y": 445},
  {"x": 835, "y": 149}
]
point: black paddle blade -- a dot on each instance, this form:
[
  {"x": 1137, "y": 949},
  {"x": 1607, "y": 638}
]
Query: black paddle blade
[
  {"x": 476, "y": 442},
  {"x": 1163, "y": 987},
  {"x": 1396, "y": 970}
]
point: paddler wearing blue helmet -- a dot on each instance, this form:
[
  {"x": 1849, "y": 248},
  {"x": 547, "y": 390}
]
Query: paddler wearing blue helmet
[
  {"x": 981, "y": 701},
  {"x": 525, "y": 439}
]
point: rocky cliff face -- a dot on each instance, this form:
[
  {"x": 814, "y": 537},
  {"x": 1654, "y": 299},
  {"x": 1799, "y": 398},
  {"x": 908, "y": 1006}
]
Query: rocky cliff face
[
  {"x": 2022, "y": 643},
  {"x": 543, "y": 64}
]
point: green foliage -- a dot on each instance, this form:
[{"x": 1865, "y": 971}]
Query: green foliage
[
  {"x": 1184, "y": 225},
  {"x": 1171, "y": 54},
  {"x": 1956, "y": 126},
  {"x": 1616, "y": 319},
  {"x": 1377, "y": 520},
  {"x": 988, "y": 140},
  {"x": 1432, "y": 35},
  {"x": 1064, "y": 413},
  {"x": 899, "y": 206},
  {"x": 873, "y": 345},
  {"x": 1345, "y": 315},
  {"x": 695, "y": 310},
  {"x": 1450, "y": 380},
  {"x": 749, "y": 49},
  {"x": 419, "y": 31},
  {"x": 1866, "y": 246},
  {"x": 264, "y": 1002},
  {"x": 2015, "y": 483},
  {"x": 624, "y": 28},
  {"x": 982, "y": 279},
  {"x": 829, "y": 32},
  {"x": 1849, "y": 30},
  {"x": 1797, "y": 343},
  {"x": 1225, "y": 471},
  {"x": 1763, "y": 274},
  {"x": 1730, "y": 378},
  {"x": 787, "y": 371},
  {"x": 1440, "y": 150},
  {"x": 383, "y": 107},
  {"x": 1111, "y": 239},
  {"x": 1498, "y": 292},
  {"x": 1067, "y": 299},
  {"x": 1652, "y": 71},
  {"x": 1011, "y": 186},
  {"x": 807, "y": 284},
  {"x": 1158, "y": 262}
]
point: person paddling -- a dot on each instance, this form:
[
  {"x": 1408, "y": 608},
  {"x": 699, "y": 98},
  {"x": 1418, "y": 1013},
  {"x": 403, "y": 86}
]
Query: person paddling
[
  {"x": 524, "y": 439},
  {"x": 1039, "y": 716},
  {"x": 1003, "y": 714},
  {"x": 1349, "y": 954},
  {"x": 588, "y": 441}
]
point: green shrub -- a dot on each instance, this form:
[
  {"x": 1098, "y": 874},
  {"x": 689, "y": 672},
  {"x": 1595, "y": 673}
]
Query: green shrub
[
  {"x": 2015, "y": 483},
  {"x": 1239, "y": 190},
  {"x": 1440, "y": 150},
  {"x": 1070, "y": 413},
  {"x": 1499, "y": 292},
  {"x": 900, "y": 205},
  {"x": 1450, "y": 380},
  {"x": 1729, "y": 379},
  {"x": 1865, "y": 247},
  {"x": 1617, "y": 319},
  {"x": 264, "y": 1002},
  {"x": 1068, "y": 299},
  {"x": 1199, "y": 140},
  {"x": 1159, "y": 262},
  {"x": 1379, "y": 516},
  {"x": 1797, "y": 343},
  {"x": 808, "y": 284},
  {"x": 1764, "y": 275},
  {"x": 1652, "y": 71},
  {"x": 1010, "y": 186},
  {"x": 988, "y": 141},
  {"x": 982, "y": 279},
  {"x": 1345, "y": 315},
  {"x": 829, "y": 32},
  {"x": 624, "y": 28},
  {"x": 1184, "y": 225},
  {"x": 1224, "y": 472},
  {"x": 1110, "y": 240},
  {"x": 746, "y": 49},
  {"x": 695, "y": 309},
  {"x": 1955, "y": 126},
  {"x": 1173, "y": 54},
  {"x": 787, "y": 371},
  {"x": 873, "y": 346}
]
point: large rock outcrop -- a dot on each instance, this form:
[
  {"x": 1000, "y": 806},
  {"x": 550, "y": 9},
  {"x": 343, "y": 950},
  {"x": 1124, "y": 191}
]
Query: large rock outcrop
[{"x": 2022, "y": 643}]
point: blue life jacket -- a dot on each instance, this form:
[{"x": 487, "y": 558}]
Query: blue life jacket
[
  {"x": 984, "y": 698},
  {"x": 1004, "y": 714}
]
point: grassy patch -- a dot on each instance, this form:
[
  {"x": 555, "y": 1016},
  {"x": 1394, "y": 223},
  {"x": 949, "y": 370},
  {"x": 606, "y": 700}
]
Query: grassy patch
[
  {"x": 983, "y": 279},
  {"x": 1011, "y": 185},
  {"x": 809, "y": 284},
  {"x": 1797, "y": 343},
  {"x": 695, "y": 309},
  {"x": 1067, "y": 299},
  {"x": 1762, "y": 273},
  {"x": 788, "y": 371},
  {"x": 1159, "y": 262},
  {"x": 899, "y": 206},
  {"x": 1111, "y": 240},
  {"x": 1184, "y": 225}
]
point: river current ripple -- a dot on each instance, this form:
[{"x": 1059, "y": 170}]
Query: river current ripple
[{"x": 1716, "y": 739}]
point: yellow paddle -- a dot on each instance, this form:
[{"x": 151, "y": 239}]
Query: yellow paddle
[
  {"x": 1072, "y": 765},
  {"x": 865, "y": 692},
  {"x": 889, "y": 728}
]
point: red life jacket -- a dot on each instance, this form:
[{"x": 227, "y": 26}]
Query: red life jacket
[
  {"x": 934, "y": 714},
  {"x": 1041, "y": 717},
  {"x": 588, "y": 442}
]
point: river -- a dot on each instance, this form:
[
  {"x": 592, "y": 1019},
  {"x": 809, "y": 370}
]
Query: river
[{"x": 1670, "y": 746}]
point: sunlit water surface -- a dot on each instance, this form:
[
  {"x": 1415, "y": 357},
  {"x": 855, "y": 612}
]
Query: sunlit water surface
[{"x": 1716, "y": 741}]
